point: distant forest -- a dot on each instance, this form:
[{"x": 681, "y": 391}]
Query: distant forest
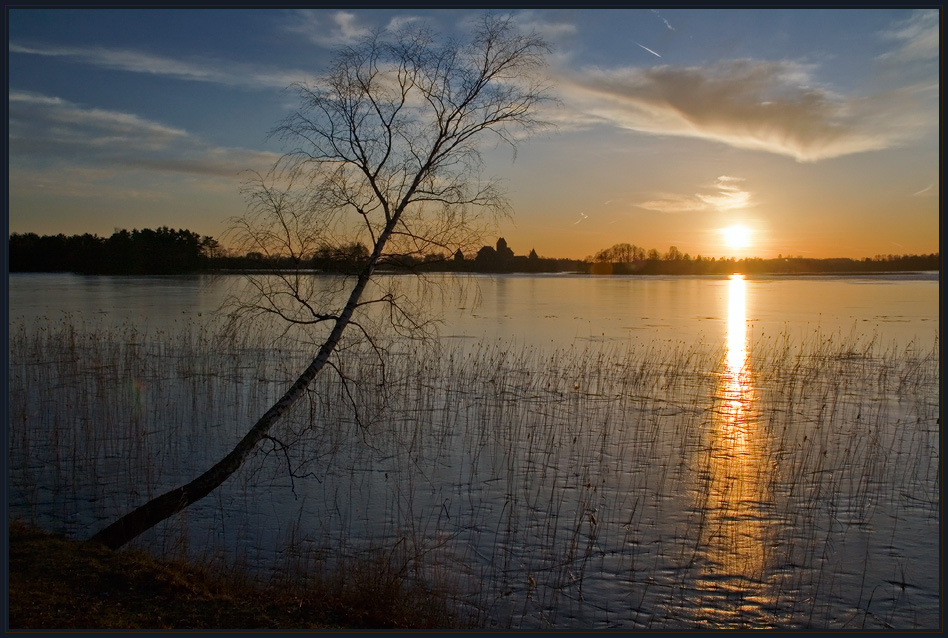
[
  {"x": 629, "y": 259},
  {"x": 139, "y": 252},
  {"x": 166, "y": 251}
]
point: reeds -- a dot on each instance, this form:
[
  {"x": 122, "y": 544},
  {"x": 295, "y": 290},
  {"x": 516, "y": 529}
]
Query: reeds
[{"x": 600, "y": 487}]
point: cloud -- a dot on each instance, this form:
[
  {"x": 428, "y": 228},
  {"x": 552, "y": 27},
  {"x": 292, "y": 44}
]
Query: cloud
[
  {"x": 41, "y": 120},
  {"x": 208, "y": 162},
  {"x": 674, "y": 203},
  {"x": 728, "y": 196},
  {"x": 725, "y": 194},
  {"x": 49, "y": 131},
  {"x": 766, "y": 106},
  {"x": 399, "y": 22},
  {"x": 227, "y": 73},
  {"x": 932, "y": 190},
  {"x": 328, "y": 29},
  {"x": 334, "y": 29},
  {"x": 550, "y": 30},
  {"x": 662, "y": 18},
  {"x": 918, "y": 37}
]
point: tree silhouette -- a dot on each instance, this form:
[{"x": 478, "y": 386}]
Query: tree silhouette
[{"x": 385, "y": 148}]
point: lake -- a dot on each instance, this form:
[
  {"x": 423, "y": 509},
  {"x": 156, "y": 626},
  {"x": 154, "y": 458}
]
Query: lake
[{"x": 572, "y": 452}]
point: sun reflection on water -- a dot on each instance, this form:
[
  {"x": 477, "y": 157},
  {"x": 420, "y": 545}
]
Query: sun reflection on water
[{"x": 733, "y": 490}]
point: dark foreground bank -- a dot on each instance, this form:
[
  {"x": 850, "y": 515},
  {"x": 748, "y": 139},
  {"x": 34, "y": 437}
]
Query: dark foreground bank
[{"x": 55, "y": 583}]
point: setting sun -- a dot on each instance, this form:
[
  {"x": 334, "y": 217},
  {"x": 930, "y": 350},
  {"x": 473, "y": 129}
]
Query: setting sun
[{"x": 737, "y": 236}]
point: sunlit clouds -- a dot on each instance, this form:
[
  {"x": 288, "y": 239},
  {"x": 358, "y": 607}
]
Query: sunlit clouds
[
  {"x": 816, "y": 128},
  {"x": 725, "y": 194},
  {"x": 729, "y": 196},
  {"x": 764, "y": 106}
]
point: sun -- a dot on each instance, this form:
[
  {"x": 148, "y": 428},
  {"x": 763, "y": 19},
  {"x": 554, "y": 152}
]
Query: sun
[{"x": 737, "y": 236}]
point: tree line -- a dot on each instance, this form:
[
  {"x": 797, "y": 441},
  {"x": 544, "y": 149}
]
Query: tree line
[
  {"x": 138, "y": 252},
  {"x": 629, "y": 259},
  {"x": 167, "y": 251}
]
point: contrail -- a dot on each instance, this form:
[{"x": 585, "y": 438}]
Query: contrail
[
  {"x": 648, "y": 49},
  {"x": 662, "y": 18},
  {"x": 583, "y": 217}
]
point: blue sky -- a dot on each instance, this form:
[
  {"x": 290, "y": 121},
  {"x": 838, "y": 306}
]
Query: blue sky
[{"x": 816, "y": 130}]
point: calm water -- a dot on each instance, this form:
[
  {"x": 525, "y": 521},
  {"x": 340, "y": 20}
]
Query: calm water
[
  {"x": 582, "y": 452},
  {"x": 556, "y": 310}
]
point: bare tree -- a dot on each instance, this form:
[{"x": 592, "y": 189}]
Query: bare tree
[{"x": 385, "y": 148}]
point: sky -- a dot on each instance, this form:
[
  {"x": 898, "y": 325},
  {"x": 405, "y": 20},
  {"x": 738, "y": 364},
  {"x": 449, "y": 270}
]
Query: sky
[{"x": 813, "y": 132}]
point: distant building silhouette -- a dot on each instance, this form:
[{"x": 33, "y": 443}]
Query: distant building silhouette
[
  {"x": 503, "y": 253},
  {"x": 486, "y": 256}
]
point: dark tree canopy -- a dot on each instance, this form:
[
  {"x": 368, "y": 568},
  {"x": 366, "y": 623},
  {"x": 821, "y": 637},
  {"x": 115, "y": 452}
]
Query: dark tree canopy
[{"x": 147, "y": 251}]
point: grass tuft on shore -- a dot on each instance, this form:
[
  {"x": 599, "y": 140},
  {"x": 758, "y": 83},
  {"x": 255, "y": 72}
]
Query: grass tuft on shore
[{"x": 56, "y": 583}]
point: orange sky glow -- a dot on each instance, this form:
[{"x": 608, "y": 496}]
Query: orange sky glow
[{"x": 816, "y": 130}]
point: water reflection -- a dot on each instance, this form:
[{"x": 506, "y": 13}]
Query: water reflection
[{"x": 734, "y": 501}]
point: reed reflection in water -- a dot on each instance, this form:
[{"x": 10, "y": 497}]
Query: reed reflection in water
[
  {"x": 789, "y": 481},
  {"x": 734, "y": 502}
]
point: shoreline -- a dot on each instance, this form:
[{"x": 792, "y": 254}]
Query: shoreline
[{"x": 58, "y": 583}]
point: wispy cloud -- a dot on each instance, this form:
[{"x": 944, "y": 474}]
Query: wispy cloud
[
  {"x": 673, "y": 203},
  {"x": 725, "y": 194},
  {"x": 542, "y": 24},
  {"x": 918, "y": 37},
  {"x": 332, "y": 29},
  {"x": 929, "y": 191},
  {"x": 50, "y": 131},
  {"x": 767, "y": 106},
  {"x": 37, "y": 120},
  {"x": 555, "y": 30},
  {"x": 328, "y": 30},
  {"x": 728, "y": 194},
  {"x": 662, "y": 18},
  {"x": 223, "y": 72}
]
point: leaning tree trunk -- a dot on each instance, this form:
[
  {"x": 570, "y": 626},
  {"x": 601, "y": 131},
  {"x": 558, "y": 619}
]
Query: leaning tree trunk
[{"x": 162, "y": 507}]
